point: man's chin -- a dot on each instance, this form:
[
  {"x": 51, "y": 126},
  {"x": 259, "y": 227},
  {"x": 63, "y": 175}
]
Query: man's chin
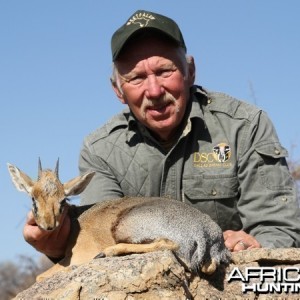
[{"x": 161, "y": 128}]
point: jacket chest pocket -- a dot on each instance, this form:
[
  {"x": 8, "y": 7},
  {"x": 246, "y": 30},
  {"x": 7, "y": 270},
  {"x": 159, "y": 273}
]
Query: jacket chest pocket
[{"x": 215, "y": 195}]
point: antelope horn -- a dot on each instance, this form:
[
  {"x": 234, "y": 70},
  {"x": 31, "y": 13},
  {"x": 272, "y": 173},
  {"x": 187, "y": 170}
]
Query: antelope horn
[
  {"x": 39, "y": 169},
  {"x": 56, "y": 168}
]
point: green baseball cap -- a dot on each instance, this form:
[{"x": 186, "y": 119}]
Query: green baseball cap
[{"x": 144, "y": 20}]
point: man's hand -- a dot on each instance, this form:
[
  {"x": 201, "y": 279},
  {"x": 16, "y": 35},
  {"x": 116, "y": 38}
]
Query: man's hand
[
  {"x": 239, "y": 240},
  {"x": 51, "y": 243}
]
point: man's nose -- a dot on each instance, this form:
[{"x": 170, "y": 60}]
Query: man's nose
[{"x": 154, "y": 88}]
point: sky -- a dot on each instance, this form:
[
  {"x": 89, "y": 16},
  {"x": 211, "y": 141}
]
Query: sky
[{"x": 55, "y": 65}]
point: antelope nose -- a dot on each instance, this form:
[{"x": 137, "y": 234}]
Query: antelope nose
[
  {"x": 52, "y": 227},
  {"x": 49, "y": 228}
]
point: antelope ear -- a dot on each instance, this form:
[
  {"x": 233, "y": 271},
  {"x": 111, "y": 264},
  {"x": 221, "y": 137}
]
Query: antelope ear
[
  {"x": 78, "y": 184},
  {"x": 21, "y": 181}
]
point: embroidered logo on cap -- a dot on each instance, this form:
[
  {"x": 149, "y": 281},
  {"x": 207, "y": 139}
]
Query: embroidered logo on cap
[{"x": 141, "y": 19}]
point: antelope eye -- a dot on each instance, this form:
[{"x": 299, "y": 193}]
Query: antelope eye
[
  {"x": 62, "y": 205},
  {"x": 34, "y": 206}
]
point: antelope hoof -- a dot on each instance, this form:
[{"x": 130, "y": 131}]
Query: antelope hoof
[
  {"x": 100, "y": 255},
  {"x": 209, "y": 267}
]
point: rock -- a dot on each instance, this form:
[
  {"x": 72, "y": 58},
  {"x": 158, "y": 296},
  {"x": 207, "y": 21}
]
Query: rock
[
  {"x": 159, "y": 275},
  {"x": 284, "y": 255}
]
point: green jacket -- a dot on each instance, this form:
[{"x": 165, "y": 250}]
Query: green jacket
[{"x": 228, "y": 162}]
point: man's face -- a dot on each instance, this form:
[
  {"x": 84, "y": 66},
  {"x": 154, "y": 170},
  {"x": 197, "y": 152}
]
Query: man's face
[{"x": 155, "y": 79}]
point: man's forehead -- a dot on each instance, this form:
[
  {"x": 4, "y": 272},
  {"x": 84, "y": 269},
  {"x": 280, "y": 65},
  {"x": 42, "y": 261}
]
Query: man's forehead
[
  {"x": 140, "y": 65},
  {"x": 140, "y": 62}
]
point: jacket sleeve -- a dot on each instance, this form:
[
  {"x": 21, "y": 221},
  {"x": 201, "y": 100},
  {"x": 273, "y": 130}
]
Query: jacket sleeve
[
  {"x": 268, "y": 203},
  {"x": 104, "y": 185}
]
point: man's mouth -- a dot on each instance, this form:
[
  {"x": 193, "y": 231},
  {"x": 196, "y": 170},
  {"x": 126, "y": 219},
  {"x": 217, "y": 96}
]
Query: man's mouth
[{"x": 158, "y": 109}]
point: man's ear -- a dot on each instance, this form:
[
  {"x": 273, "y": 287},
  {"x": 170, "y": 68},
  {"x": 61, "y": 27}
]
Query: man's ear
[
  {"x": 191, "y": 70},
  {"x": 118, "y": 91}
]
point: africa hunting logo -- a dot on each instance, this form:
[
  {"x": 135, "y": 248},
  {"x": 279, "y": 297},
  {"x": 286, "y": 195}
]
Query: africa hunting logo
[
  {"x": 218, "y": 157},
  {"x": 142, "y": 19}
]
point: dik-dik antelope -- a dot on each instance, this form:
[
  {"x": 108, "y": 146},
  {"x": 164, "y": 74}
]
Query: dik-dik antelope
[{"x": 121, "y": 226}]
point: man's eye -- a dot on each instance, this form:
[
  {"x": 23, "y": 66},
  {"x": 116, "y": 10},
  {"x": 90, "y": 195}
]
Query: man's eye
[
  {"x": 136, "y": 80},
  {"x": 164, "y": 73}
]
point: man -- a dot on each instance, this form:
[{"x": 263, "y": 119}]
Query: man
[{"x": 178, "y": 140}]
